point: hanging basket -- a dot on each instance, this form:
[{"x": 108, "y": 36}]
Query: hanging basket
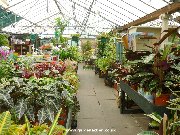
[
  {"x": 104, "y": 40},
  {"x": 75, "y": 38}
]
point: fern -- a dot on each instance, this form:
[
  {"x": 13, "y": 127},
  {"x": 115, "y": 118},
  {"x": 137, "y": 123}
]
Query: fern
[{"x": 5, "y": 122}]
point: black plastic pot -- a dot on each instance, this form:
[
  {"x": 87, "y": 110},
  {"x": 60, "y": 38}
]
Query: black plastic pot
[{"x": 73, "y": 124}]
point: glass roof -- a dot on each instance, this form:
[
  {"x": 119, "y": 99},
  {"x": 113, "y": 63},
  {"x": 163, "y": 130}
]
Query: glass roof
[
  {"x": 88, "y": 17},
  {"x": 7, "y": 18}
]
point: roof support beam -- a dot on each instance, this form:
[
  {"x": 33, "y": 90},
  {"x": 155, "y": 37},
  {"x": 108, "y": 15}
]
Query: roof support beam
[{"x": 152, "y": 16}]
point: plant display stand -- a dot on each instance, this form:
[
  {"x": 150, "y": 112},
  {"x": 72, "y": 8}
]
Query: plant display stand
[{"x": 141, "y": 101}]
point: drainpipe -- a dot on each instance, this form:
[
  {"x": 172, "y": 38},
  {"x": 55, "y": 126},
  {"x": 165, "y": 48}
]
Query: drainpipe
[{"x": 165, "y": 20}]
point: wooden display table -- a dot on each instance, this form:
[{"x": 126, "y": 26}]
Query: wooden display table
[
  {"x": 22, "y": 49},
  {"x": 140, "y": 100}
]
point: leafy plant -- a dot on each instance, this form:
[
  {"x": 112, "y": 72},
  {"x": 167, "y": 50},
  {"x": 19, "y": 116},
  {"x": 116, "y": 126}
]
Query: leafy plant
[
  {"x": 4, "y": 40},
  {"x": 69, "y": 53},
  {"x": 7, "y": 127},
  {"x": 5, "y": 120},
  {"x": 38, "y": 99},
  {"x": 86, "y": 50},
  {"x": 6, "y": 69},
  {"x": 103, "y": 64},
  {"x": 156, "y": 118},
  {"x": 72, "y": 78}
]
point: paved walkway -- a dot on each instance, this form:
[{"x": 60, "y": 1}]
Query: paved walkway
[{"x": 99, "y": 114}]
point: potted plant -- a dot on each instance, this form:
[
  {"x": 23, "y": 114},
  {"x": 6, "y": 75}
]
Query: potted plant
[
  {"x": 9, "y": 127},
  {"x": 36, "y": 98},
  {"x": 103, "y": 37}
]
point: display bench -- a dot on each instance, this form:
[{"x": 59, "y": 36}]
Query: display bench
[
  {"x": 22, "y": 49},
  {"x": 140, "y": 100}
]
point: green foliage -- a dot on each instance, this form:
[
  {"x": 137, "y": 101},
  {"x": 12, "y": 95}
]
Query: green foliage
[
  {"x": 155, "y": 117},
  {"x": 172, "y": 78},
  {"x": 104, "y": 64},
  {"x": 54, "y": 123},
  {"x": 109, "y": 57},
  {"x": 5, "y": 122},
  {"x": 39, "y": 99},
  {"x": 73, "y": 79},
  {"x": 69, "y": 53},
  {"x": 87, "y": 50},
  {"x": 54, "y": 41},
  {"x": 60, "y": 24},
  {"x": 7, "y": 127},
  {"x": 4, "y": 40},
  {"x": 6, "y": 69},
  {"x": 166, "y": 52}
]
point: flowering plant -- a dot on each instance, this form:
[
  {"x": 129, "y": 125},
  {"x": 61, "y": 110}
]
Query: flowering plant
[
  {"x": 5, "y": 52},
  {"x": 46, "y": 47},
  {"x": 70, "y": 65}
]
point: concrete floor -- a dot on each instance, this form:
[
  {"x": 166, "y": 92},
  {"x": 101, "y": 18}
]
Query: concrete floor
[{"x": 99, "y": 113}]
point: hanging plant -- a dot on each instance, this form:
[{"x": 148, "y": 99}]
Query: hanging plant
[
  {"x": 75, "y": 37},
  {"x": 4, "y": 40}
]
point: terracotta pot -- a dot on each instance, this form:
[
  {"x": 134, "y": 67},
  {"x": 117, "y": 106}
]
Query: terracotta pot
[
  {"x": 61, "y": 122},
  {"x": 134, "y": 87},
  {"x": 101, "y": 74},
  {"x": 162, "y": 100},
  {"x": 116, "y": 86}
]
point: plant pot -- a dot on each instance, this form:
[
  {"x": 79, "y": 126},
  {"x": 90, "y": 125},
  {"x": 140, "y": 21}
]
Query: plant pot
[
  {"x": 108, "y": 82},
  {"x": 102, "y": 74},
  {"x": 116, "y": 86},
  {"x": 73, "y": 124},
  {"x": 162, "y": 100},
  {"x": 103, "y": 40},
  {"x": 62, "y": 122},
  {"x": 55, "y": 58},
  {"x": 134, "y": 87},
  {"x": 74, "y": 38}
]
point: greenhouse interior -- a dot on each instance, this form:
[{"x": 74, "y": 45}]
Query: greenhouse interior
[{"x": 89, "y": 67}]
